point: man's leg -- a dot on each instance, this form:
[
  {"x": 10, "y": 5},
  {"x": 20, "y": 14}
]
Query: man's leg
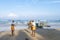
[
  {"x": 34, "y": 33},
  {"x": 12, "y": 32}
]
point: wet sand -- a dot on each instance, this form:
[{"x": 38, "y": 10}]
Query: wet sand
[
  {"x": 41, "y": 34},
  {"x": 19, "y": 35},
  {"x": 49, "y": 34}
]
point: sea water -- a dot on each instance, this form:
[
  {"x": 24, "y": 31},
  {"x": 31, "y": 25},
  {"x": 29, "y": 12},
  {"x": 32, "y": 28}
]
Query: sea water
[
  {"x": 53, "y": 25},
  {"x": 6, "y": 25}
]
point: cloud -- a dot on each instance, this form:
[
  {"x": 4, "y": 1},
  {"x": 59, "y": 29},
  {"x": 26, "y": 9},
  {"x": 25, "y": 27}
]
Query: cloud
[
  {"x": 55, "y": 1},
  {"x": 12, "y": 15},
  {"x": 51, "y": 2},
  {"x": 45, "y": 1},
  {"x": 1, "y": 16}
]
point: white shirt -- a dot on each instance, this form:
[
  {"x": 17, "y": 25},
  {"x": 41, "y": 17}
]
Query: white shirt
[{"x": 33, "y": 23}]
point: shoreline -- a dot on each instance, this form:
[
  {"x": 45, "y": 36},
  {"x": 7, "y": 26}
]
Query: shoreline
[
  {"x": 47, "y": 34},
  {"x": 17, "y": 29}
]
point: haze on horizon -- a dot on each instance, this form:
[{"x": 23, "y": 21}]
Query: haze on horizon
[{"x": 30, "y": 9}]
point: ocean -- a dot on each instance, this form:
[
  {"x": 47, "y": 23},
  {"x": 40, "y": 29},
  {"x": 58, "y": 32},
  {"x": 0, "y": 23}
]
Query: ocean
[
  {"x": 6, "y": 25},
  {"x": 22, "y": 24}
]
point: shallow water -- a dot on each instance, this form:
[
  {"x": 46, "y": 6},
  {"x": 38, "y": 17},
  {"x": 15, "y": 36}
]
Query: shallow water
[
  {"x": 53, "y": 26},
  {"x": 8, "y": 28}
]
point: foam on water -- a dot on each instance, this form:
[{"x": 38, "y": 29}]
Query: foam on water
[
  {"x": 6, "y": 26},
  {"x": 9, "y": 28}
]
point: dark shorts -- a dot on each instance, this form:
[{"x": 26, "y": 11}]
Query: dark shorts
[{"x": 12, "y": 30}]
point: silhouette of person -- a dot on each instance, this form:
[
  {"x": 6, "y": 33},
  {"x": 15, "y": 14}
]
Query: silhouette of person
[{"x": 12, "y": 27}]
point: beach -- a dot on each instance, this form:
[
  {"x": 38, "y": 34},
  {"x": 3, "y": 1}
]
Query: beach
[
  {"x": 19, "y": 35},
  {"x": 22, "y": 32},
  {"x": 41, "y": 34},
  {"x": 49, "y": 34},
  {"x": 27, "y": 17}
]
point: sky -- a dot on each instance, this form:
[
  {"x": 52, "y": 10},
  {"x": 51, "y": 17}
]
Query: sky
[{"x": 30, "y": 9}]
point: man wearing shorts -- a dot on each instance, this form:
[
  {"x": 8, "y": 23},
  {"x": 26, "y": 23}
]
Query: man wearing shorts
[
  {"x": 33, "y": 28},
  {"x": 12, "y": 28}
]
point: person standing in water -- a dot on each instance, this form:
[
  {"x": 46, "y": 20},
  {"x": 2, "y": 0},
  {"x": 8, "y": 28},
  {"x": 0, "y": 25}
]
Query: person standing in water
[
  {"x": 33, "y": 28},
  {"x": 12, "y": 27},
  {"x": 29, "y": 25}
]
